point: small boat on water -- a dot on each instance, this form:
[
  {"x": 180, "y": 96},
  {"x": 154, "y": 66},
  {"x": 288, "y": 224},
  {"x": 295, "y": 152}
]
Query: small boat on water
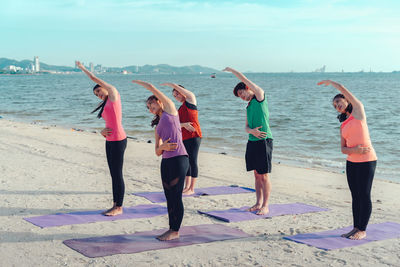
[{"x": 213, "y": 75}]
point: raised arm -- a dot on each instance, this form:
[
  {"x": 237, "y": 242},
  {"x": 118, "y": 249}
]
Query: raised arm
[
  {"x": 358, "y": 108},
  {"x": 169, "y": 106},
  {"x": 190, "y": 97},
  {"x": 259, "y": 93},
  {"x": 112, "y": 91}
]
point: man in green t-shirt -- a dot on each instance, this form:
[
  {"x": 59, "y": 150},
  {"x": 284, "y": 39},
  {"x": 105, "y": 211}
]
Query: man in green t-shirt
[{"x": 259, "y": 146}]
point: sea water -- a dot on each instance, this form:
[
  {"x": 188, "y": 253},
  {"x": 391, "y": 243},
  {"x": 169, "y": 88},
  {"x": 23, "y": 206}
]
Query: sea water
[{"x": 302, "y": 118}]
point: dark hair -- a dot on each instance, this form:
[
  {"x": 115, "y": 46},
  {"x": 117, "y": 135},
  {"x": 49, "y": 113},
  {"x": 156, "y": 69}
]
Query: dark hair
[
  {"x": 96, "y": 86},
  {"x": 343, "y": 116},
  {"x": 177, "y": 90},
  {"x": 239, "y": 86},
  {"x": 101, "y": 105},
  {"x": 156, "y": 118}
]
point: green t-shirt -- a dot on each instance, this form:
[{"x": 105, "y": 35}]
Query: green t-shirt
[{"x": 258, "y": 115}]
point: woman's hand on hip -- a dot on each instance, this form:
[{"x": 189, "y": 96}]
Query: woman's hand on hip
[
  {"x": 167, "y": 146},
  {"x": 106, "y": 132},
  {"x": 188, "y": 126},
  {"x": 361, "y": 150}
]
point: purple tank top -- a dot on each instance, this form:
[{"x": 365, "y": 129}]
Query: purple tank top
[{"x": 170, "y": 127}]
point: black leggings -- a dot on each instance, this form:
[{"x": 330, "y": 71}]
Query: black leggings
[
  {"x": 115, "y": 158},
  {"x": 359, "y": 177},
  {"x": 192, "y": 146},
  {"x": 173, "y": 172}
]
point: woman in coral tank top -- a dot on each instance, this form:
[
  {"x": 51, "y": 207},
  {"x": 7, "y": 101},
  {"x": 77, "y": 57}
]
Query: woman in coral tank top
[
  {"x": 361, "y": 157},
  {"x": 111, "y": 112}
]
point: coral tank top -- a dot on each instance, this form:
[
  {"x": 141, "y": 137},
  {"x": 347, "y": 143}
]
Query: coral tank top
[
  {"x": 355, "y": 132},
  {"x": 112, "y": 114}
]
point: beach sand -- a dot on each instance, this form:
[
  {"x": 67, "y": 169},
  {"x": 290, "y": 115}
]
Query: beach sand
[{"x": 48, "y": 169}]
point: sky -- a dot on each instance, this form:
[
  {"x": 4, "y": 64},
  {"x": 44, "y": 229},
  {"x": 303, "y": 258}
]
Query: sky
[{"x": 259, "y": 36}]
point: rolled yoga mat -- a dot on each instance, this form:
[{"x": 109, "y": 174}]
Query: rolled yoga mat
[
  {"x": 241, "y": 214},
  {"x": 332, "y": 239},
  {"x": 145, "y": 241},
  {"x": 80, "y": 217},
  {"x": 159, "y": 197}
]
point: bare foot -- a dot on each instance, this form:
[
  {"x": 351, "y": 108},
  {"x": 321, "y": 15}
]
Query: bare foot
[
  {"x": 358, "y": 235},
  {"x": 104, "y": 212},
  {"x": 188, "y": 192},
  {"x": 346, "y": 235},
  {"x": 255, "y": 207},
  {"x": 114, "y": 211},
  {"x": 185, "y": 190},
  {"x": 168, "y": 235},
  {"x": 263, "y": 210}
]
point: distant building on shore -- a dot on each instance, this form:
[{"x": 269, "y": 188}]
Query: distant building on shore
[
  {"x": 12, "y": 68},
  {"x": 91, "y": 67},
  {"x": 36, "y": 64},
  {"x": 99, "y": 68},
  {"x": 322, "y": 69}
]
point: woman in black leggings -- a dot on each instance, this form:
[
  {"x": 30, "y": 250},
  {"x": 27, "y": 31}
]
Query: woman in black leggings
[
  {"x": 361, "y": 157},
  {"x": 111, "y": 112},
  {"x": 175, "y": 162}
]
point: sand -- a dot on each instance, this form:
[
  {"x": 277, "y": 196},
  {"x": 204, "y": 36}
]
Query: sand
[{"x": 49, "y": 169}]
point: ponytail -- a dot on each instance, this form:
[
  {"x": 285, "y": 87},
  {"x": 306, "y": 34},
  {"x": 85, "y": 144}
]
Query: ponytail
[
  {"x": 156, "y": 119},
  {"x": 101, "y": 107}
]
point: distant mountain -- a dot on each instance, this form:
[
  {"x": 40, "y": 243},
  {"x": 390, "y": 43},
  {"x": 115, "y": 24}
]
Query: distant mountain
[
  {"x": 4, "y": 62},
  {"x": 166, "y": 69},
  {"x": 146, "y": 69}
]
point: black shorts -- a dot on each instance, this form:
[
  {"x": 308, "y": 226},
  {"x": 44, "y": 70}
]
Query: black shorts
[{"x": 259, "y": 156}]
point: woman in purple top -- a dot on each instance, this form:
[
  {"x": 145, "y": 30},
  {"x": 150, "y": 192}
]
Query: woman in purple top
[{"x": 175, "y": 161}]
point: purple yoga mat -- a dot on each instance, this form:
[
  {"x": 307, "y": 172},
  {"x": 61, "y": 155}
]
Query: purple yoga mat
[
  {"x": 241, "y": 214},
  {"x": 80, "y": 217},
  {"x": 158, "y": 197},
  {"x": 144, "y": 241},
  {"x": 331, "y": 239}
]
